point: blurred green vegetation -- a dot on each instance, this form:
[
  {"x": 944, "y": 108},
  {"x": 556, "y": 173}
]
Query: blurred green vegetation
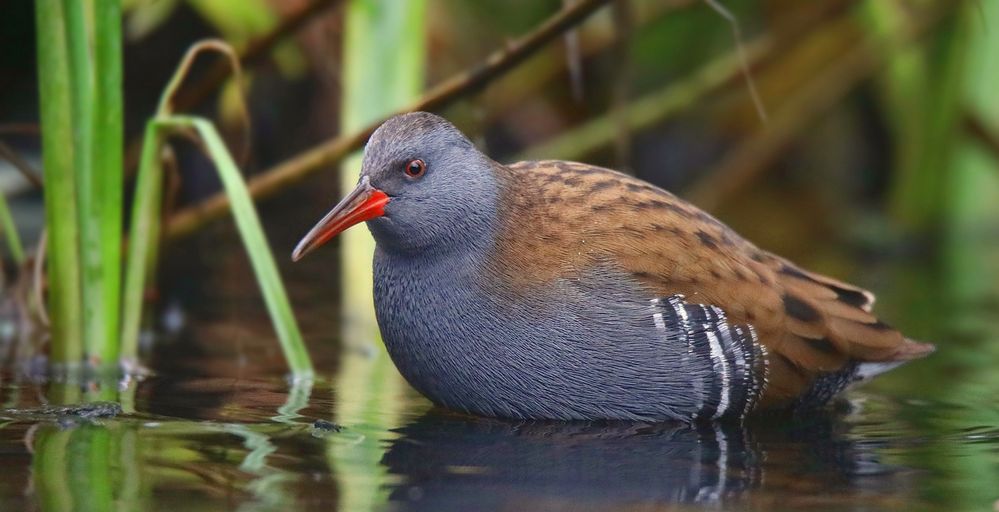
[
  {"x": 878, "y": 165},
  {"x": 80, "y": 83},
  {"x": 79, "y": 69},
  {"x": 144, "y": 236}
]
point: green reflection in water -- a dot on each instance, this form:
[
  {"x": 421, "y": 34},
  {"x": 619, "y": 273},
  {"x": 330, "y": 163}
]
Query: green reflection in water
[
  {"x": 371, "y": 406},
  {"x": 298, "y": 399},
  {"x": 269, "y": 486},
  {"x": 88, "y": 467},
  {"x": 82, "y": 461}
]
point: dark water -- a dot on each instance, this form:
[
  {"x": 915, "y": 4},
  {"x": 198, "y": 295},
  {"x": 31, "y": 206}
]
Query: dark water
[
  {"x": 219, "y": 426},
  {"x": 252, "y": 443}
]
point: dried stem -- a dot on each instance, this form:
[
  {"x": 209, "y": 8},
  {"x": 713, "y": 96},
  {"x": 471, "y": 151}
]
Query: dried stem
[
  {"x": 573, "y": 58},
  {"x": 231, "y": 61},
  {"x": 20, "y": 129},
  {"x": 737, "y": 37},
  {"x": 621, "y": 88},
  {"x": 295, "y": 169},
  {"x": 724, "y": 71},
  {"x": 976, "y": 127},
  {"x": 193, "y": 95},
  {"x": 745, "y": 163},
  {"x": 742, "y": 164},
  {"x": 22, "y": 165},
  {"x": 253, "y": 53}
]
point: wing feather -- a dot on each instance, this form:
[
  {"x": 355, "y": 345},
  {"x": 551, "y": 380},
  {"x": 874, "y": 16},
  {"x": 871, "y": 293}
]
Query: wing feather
[{"x": 585, "y": 216}]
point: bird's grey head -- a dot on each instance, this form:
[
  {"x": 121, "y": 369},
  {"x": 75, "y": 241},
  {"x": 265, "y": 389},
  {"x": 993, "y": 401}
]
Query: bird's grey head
[{"x": 424, "y": 189}]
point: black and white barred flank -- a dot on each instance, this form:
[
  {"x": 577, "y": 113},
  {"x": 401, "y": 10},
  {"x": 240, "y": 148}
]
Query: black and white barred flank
[{"x": 732, "y": 363}]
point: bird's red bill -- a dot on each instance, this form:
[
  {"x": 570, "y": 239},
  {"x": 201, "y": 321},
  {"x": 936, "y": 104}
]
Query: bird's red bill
[{"x": 362, "y": 204}]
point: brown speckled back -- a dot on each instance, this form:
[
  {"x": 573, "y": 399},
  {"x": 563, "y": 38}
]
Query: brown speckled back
[{"x": 561, "y": 219}]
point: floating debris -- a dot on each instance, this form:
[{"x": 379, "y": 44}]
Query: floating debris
[
  {"x": 66, "y": 415},
  {"x": 322, "y": 428}
]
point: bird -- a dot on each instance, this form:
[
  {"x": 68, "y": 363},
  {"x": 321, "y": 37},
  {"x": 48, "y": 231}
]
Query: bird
[{"x": 557, "y": 290}]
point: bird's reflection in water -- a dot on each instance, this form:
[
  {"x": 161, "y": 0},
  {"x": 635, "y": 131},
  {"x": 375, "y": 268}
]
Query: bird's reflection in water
[{"x": 451, "y": 462}]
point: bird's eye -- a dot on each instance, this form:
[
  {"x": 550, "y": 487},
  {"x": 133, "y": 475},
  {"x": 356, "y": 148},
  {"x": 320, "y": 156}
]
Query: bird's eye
[{"x": 416, "y": 168}]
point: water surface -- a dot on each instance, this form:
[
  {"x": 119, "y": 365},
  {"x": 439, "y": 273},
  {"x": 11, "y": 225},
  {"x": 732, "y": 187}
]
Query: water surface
[
  {"x": 219, "y": 426},
  {"x": 254, "y": 443}
]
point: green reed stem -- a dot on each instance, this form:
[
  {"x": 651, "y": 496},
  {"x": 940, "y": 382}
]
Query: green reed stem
[
  {"x": 255, "y": 242},
  {"x": 80, "y": 82},
  {"x": 10, "y": 231},
  {"x": 58, "y": 155},
  {"x": 103, "y": 267},
  {"x": 146, "y": 228},
  {"x": 143, "y": 239},
  {"x": 81, "y": 69},
  {"x": 144, "y": 236}
]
